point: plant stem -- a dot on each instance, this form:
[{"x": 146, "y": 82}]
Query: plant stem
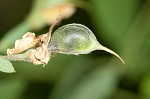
[{"x": 17, "y": 57}]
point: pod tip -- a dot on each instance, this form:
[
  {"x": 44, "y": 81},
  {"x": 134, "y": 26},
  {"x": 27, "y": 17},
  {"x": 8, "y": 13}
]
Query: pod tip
[{"x": 110, "y": 51}]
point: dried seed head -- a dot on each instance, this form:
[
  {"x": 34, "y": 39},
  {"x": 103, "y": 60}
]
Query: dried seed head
[
  {"x": 76, "y": 39},
  {"x": 39, "y": 55}
]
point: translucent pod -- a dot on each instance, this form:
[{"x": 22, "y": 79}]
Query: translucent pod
[{"x": 76, "y": 39}]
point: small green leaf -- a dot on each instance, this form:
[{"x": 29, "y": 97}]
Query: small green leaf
[{"x": 6, "y": 66}]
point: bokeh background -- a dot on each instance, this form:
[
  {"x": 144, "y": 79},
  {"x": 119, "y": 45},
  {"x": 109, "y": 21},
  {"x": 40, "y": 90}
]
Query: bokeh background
[{"x": 121, "y": 25}]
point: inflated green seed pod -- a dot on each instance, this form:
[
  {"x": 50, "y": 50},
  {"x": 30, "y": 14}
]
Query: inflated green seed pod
[{"x": 75, "y": 39}]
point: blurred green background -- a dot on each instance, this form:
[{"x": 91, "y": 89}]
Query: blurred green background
[{"x": 121, "y": 25}]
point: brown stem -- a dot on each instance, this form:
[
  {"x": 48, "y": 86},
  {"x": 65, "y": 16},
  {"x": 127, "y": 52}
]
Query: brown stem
[{"x": 53, "y": 25}]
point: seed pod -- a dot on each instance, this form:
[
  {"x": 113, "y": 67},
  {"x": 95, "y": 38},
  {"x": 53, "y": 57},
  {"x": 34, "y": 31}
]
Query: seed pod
[{"x": 76, "y": 39}]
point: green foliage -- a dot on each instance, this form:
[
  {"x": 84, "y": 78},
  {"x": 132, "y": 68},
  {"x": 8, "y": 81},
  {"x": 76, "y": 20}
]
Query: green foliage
[
  {"x": 122, "y": 25},
  {"x": 98, "y": 84},
  {"x": 6, "y": 66},
  {"x": 12, "y": 88}
]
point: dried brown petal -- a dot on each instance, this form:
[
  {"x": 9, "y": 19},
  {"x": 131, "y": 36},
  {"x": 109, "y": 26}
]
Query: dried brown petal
[
  {"x": 39, "y": 55},
  {"x": 29, "y": 34},
  {"x": 28, "y": 40},
  {"x": 42, "y": 55},
  {"x": 32, "y": 57}
]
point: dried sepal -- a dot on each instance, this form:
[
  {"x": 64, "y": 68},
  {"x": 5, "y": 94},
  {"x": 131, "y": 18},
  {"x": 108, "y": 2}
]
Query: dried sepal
[
  {"x": 39, "y": 53},
  {"x": 42, "y": 54},
  {"x": 31, "y": 57},
  {"x": 28, "y": 40}
]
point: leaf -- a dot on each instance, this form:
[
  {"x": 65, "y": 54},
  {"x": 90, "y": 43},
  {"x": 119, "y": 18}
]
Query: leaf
[
  {"x": 112, "y": 18},
  {"x": 100, "y": 83},
  {"x": 144, "y": 86},
  {"x": 6, "y": 66}
]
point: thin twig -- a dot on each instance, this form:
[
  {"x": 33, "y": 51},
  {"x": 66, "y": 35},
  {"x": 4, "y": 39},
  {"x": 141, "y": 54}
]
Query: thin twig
[
  {"x": 58, "y": 19},
  {"x": 16, "y": 57}
]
